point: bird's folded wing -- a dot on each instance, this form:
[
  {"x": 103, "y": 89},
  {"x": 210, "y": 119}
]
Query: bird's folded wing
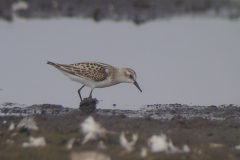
[{"x": 92, "y": 71}]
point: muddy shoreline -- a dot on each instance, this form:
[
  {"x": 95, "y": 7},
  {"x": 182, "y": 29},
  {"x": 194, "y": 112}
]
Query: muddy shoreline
[
  {"x": 209, "y": 137},
  {"x": 155, "y": 111}
]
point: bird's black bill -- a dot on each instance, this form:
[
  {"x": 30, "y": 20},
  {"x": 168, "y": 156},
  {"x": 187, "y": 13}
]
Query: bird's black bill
[{"x": 136, "y": 84}]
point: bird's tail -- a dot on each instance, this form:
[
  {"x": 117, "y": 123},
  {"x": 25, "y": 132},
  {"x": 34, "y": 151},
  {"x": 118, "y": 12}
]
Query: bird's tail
[
  {"x": 62, "y": 67},
  {"x": 51, "y": 63}
]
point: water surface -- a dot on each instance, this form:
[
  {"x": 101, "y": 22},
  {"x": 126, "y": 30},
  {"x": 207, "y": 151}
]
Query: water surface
[{"x": 186, "y": 60}]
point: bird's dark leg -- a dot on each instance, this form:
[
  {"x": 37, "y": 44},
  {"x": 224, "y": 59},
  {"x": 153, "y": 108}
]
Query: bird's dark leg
[
  {"x": 90, "y": 95},
  {"x": 79, "y": 92}
]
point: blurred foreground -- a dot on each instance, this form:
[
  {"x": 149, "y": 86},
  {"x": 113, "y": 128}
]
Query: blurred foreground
[{"x": 62, "y": 135}]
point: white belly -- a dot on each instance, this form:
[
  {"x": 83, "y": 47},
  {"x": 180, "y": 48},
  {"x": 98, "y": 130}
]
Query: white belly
[{"x": 92, "y": 84}]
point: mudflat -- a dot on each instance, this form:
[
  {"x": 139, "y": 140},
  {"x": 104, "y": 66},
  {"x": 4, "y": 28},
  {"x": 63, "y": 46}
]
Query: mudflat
[{"x": 215, "y": 136}]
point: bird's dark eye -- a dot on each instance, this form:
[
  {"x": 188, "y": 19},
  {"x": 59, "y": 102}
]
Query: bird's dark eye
[{"x": 131, "y": 76}]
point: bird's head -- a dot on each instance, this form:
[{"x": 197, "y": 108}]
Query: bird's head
[{"x": 130, "y": 77}]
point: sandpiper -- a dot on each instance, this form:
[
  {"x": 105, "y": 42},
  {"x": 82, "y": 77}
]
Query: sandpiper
[{"x": 96, "y": 75}]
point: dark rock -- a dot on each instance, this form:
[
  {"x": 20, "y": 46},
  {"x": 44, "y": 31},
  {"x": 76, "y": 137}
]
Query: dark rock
[{"x": 88, "y": 105}]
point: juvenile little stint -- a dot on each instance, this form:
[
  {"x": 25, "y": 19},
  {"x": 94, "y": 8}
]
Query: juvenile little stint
[{"x": 96, "y": 75}]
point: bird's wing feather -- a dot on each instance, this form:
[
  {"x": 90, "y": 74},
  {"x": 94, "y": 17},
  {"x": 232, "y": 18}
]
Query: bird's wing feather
[{"x": 89, "y": 70}]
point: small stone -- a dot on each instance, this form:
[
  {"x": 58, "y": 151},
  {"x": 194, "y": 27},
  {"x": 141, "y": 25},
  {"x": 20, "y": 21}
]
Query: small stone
[
  {"x": 9, "y": 141},
  {"x": 12, "y": 126},
  {"x": 35, "y": 142},
  {"x": 70, "y": 143}
]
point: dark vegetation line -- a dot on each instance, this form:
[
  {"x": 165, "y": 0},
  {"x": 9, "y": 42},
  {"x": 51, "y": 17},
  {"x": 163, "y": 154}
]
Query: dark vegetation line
[{"x": 138, "y": 11}]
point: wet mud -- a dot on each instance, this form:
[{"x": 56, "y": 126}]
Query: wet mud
[
  {"x": 88, "y": 105},
  {"x": 211, "y": 132}
]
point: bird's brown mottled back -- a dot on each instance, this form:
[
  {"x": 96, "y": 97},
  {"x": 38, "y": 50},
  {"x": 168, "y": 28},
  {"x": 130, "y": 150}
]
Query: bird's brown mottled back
[{"x": 92, "y": 71}]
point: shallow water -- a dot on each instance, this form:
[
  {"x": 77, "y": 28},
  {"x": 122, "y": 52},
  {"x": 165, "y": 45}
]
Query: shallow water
[{"x": 193, "y": 61}]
